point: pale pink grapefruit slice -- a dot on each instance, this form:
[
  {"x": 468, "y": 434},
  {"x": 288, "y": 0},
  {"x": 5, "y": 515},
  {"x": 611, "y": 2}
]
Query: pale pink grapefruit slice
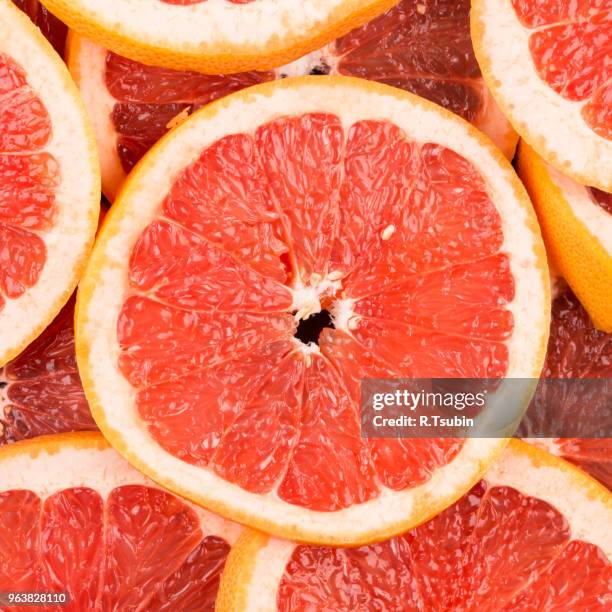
[
  {"x": 76, "y": 519},
  {"x": 49, "y": 183},
  {"x": 422, "y": 47},
  {"x": 309, "y": 197},
  {"x": 531, "y": 535},
  {"x": 548, "y": 64}
]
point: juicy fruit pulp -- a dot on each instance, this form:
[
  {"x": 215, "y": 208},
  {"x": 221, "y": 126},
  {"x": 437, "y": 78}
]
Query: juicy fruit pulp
[
  {"x": 423, "y": 47},
  {"x": 28, "y": 179},
  {"x": 576, "y": 349},
  {"x": 52, "y": 28},
  {"x": 40, "y": 391},
  {"x": 603, "y": 199},
  {"x": 571, "y": 51},
  {"x": 398, "y": 240},
  {"x": 495, "y": 549},
  {"x": 139, "y": 545}
]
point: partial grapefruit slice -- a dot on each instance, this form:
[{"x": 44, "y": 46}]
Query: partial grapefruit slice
[
  {"x": 422, "y": 47},
  {"x": 576, "y": 349},
  {"x": 215, "y": 36},
  {"x": 49, "y": 183},
  {"x": 576, "y": 222},
  {"x": 532, "y": 535},
  {"x": 548, "y": 64},
  {"x": 330, "y": 197},
  {"x": 75, "y": 518},
  {"x": 40, "y": 390}
]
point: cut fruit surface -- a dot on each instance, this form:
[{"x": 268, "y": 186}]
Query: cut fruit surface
[
  {"x": 226, "y": 239},
  {"x": 77, "y": 519},
  {"x": 215, "y": 36},
  {"x": 49, "y": 183},
  {"x": 576, "y": 349},
  {"x": 548, "y": 64},
  {"x": 532, "y": 535},
  {"x": 419, "y": 46},
  {"x": 40, "y": 390},
  {"x": 53, "y": 29},
  {"x": 577, "y": 228}
]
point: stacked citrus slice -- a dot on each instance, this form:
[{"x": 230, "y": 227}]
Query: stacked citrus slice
[
  {"x": 532, "y": 535},
  {"x": 576, "y": 223},
  {"x": 422, "y": 47},
  {"x": 577, "y": 351},
  {"x": 548, "y": 65},
  {"x": 330, "y": 197},
  {"x": 49, "y": 183},
  {"x": 215, "y": 35},
  {"x": 40, "y": 390},
  {"x": 76, "y": 519}
]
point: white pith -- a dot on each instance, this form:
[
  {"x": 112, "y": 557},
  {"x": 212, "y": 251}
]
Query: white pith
[
  {"x": 597, "y": 220},
  {"x": 87, "y": 64},
  {"x": 71, "y": 235},
  {"x": 588, "y": 516},
  {"x": 552, "y": 125},
  {"x": 82, "y": 463},
  {"x": 214, "y": 25},
  {"x": 139, "y": 205},
  {"x": 86, "y": 61}
]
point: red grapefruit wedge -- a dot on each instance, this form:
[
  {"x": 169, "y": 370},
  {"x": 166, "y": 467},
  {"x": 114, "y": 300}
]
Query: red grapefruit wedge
[
  {"x": 532, "y": 535},
  {"x": 421, "y": 46},
  {"x": 392, "y": 220},
  {"x": 576, "y": 349},
  {"x": 49, "y": 183},
  {"x": 40, "y": 390},
  {"x": 52, "y": 28},
  {"x": 76, "y": 519}
]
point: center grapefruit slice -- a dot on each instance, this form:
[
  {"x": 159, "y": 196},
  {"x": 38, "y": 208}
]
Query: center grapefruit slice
[
  {"x": 75, "y": 518},
  {"x": 326, "y": 197},
  {"x": 532, "y": 535},
  {"x": 214, "y": 36},
  {"x": 49, "y": 183},
  {"x": 549, "y": 65},
  {"x": 421, "y": 46}
]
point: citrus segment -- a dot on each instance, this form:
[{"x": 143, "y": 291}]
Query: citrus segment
[
  {"x": 423, "y": 47},
  {"x": 40, "y": 390},
  {"x": 199, "y": 312},
  {"x": 513, "y": 542},
  {"x": 548, "y": 66},
  {"x": 47, "y": 166},
  {"x": 82, "y": 522},
  {"x": 218, "y": 36},
  {"x": 576, "y": 349}
]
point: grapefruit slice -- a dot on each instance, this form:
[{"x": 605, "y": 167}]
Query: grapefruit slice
[
  {"x": 576, "y": 222},
  {"x": 576, "y": 349},
  {"x": 548, "y": 65},
  {"x": 532, "y": 535},
  {"x": 283, "y": 243},
  {"x": 77, "y": 519},
  {"x": 40, "y": 390},
  {"x": 52, "y": 28},
  {"x": 422, "y": 47},
  {"x": 49, "y": 183},
  {"x": 214, "y": 36}
]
